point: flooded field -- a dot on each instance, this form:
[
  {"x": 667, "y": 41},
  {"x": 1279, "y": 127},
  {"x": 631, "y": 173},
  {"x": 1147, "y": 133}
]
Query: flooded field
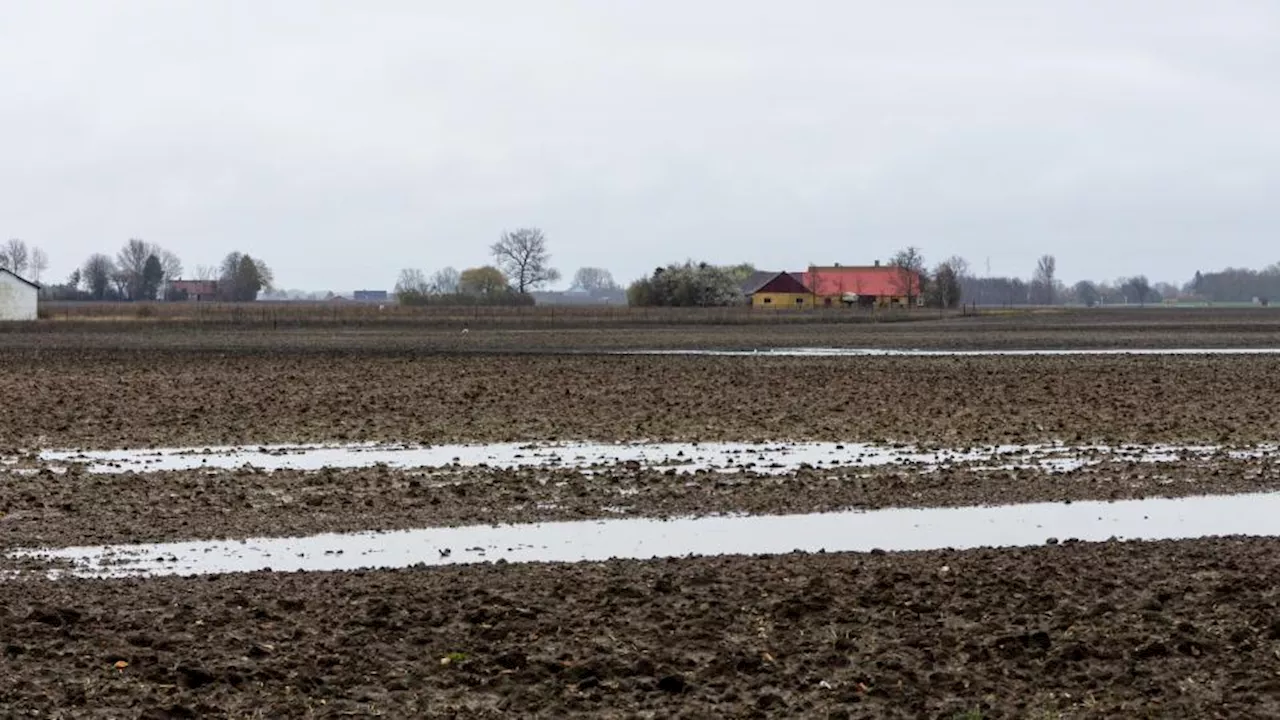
[
  {"x": 893, "y": 530},
  {"x": 763, "y": 458},
  {"x": 294, "y": 525}
]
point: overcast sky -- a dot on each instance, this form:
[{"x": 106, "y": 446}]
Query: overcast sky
[{"x": 344, "y": 140}]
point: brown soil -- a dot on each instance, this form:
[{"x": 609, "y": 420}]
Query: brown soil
[
  {"x": 106, "y": 398},
  {"x": 1187, "y": 629},
  {"x": 542, "y": 330},
  {"x": 51, "y": 510}
]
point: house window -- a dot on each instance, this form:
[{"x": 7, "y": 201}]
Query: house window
[
  {"x": 799, "y": 301},
  {"x": 768, "y": 301}
]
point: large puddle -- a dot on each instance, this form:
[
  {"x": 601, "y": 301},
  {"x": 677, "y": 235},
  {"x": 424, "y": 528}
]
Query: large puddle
[
  {"x": 890, "y": 530},
  {"x": 885, "y": 352},
  {"x": 769, "y": 458}
]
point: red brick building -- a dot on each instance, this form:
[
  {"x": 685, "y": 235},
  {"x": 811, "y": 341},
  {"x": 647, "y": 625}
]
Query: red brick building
[{"x": 194, "y": 290}]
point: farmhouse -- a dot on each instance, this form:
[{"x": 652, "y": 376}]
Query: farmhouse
[
  {"x": 868, "y": 286},
  {"x": 194, "y": 290},
  {"x": 835, "y": 286},
  {"x": 19, "y": 297},
  {"x": 783, "y": 290}
]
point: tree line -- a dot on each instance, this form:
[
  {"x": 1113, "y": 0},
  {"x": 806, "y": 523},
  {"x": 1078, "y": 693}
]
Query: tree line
[
  {"x": 951, "y": 282},
  {"x": 521, "y": 264},
  {"x": 700, "y": 284},
  {"x": 140, "y": 271}
]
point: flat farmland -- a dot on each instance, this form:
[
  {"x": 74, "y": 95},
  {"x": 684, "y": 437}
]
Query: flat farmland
[
  {"x": 125, "y": 398},
  {"x": 115, "y": 435}
]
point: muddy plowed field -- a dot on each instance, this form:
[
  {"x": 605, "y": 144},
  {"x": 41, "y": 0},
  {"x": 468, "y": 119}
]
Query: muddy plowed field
[
  {"x": 1181, "y": 628},
  {"x": 46, "y": 509},
  {"x": 172, "y": 398}
]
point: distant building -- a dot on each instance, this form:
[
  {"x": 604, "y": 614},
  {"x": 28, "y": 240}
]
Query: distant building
[
  {"x": 194, "y": 290},
  {"x": 371, "y": 296},
  {"x": 867, "y": 286},
  {"x": 756, "y": 280},
  {"x": 19, "y": 297},
  {"x": 783, "y": 290},
  {"x": 580, "y": 297},
  {"x": 835, "y": 286}
]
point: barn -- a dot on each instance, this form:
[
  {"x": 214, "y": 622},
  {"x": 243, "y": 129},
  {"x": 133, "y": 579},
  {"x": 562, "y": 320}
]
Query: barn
[
  {"x": 19, "y": 297},
  {"x": 782, "y": 291},
  {"x": 874, "y": 286}
]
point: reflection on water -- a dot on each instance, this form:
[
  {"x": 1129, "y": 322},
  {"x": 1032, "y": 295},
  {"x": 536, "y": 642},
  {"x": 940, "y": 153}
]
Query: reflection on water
[
  {"x": 768, "y": 458},
  {"x": 890, "y": 530}
]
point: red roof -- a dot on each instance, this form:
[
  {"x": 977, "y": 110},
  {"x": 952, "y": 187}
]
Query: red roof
[{"x": 877, "y": 281}]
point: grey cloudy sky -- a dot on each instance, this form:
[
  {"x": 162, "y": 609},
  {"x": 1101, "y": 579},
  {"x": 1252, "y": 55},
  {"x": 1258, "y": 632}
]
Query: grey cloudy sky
[{"x": 344, "y": 140}]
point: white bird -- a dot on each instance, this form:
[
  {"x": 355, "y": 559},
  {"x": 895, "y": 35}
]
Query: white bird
[{"x": 465, "y": 331}]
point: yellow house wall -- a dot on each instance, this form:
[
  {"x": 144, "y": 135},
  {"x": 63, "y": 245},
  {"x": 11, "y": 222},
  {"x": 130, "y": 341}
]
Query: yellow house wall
[
  {"x": 782, "y": 301},
  {"x": 883, "y": 301}
]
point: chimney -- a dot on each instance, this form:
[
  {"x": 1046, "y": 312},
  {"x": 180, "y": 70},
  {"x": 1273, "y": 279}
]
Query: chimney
[{"x": 877, "y": 263}]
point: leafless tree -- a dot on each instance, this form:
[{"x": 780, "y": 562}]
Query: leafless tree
[
  {"x": 910, "y": 264},
  {"x": 412, "y": 282},
  {"x": 445, "y": 282},
  {"x": 98, "y": 275},
  {"x": 945, "y": 291},
  {"x": 1044, "y": 282},
  {"x": 16, "y": 256},
  {"x": 39, "y": 263},
  {"x": 206, "y": 272},
  {"x": 131, "y": 261},
  {"x": 959, "y": 266},
  {"x": 1136, "y": 289},
  {"x": 593, "y": 280},
  {"x": 172, "y": 266},
  {"x": 523, "y": 256}
]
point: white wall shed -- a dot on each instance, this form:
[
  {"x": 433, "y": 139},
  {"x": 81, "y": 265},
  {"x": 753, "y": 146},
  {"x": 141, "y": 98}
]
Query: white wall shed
[{"x": 19, "y": 297}]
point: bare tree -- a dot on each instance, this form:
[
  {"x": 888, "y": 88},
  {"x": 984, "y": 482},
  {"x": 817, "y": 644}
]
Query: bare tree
[
  {"x": 593, "y": 280},
  {"x": 1087, "y": 293},
  {"x": 171, "y": 265},
  {"x": 445, "y": 281},
  {"x": 524, "y": 257},
  {"x": 16, "y": 256},
  {"x": 99, "y": 273},
  {"x": 131, "y": 262},
  {"x": 39, "y": 263},
  {"x": 945, "y": 288},
  {"x": 959, "y": 266},
  {"x": 1136, "y": 289},
  {"x": 1045, "y": 282},
  {"x": 910, "y": 277},
  {"x": 206, "y": 272},
  {"x": 412, "y": 282}
]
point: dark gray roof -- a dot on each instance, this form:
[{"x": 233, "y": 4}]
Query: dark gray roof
[
  {"x": 7, "y": 271},
  {"x": 757, "y": 280}
]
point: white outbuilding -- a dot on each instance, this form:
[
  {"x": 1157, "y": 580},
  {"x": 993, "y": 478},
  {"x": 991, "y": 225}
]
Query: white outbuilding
[{"x": 19, "y": 297}]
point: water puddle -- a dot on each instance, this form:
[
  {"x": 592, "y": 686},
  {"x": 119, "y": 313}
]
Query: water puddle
[
  {"x": 890, "y": 530},
  {"x": 765, "y": 459},
  {"x": 884, "y": 352}
]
